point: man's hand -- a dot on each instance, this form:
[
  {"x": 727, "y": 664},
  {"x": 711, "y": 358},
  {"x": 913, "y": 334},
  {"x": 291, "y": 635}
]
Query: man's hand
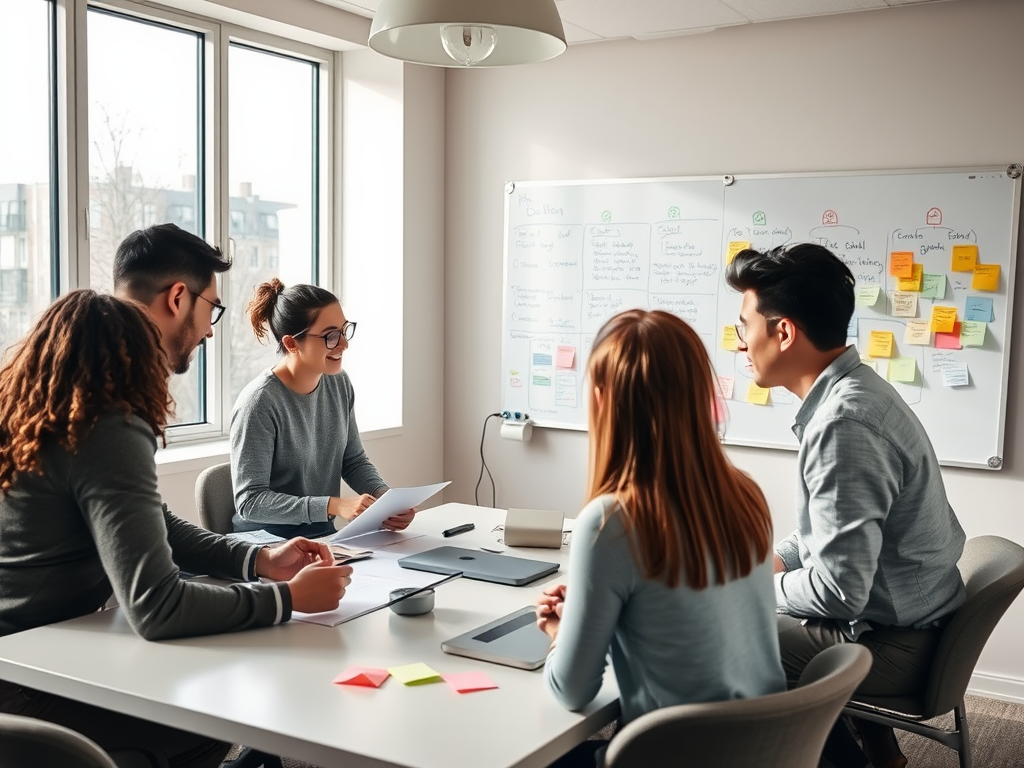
[
  {"x": 400, "y": 522},
  {"x": 349, "y": 508},
  {"x": 283, "y": 561},
  {"x": 319, "y": 587},
  {"x": 549, "y": 610}
]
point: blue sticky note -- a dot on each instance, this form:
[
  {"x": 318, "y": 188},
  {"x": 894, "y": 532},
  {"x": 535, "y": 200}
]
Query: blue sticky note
[
  {"x": 851, "y": 329},
  {"x": 979, "y": 308}
]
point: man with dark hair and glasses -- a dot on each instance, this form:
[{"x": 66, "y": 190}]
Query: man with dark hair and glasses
[
  {"x": 173, "y": 273},
  {"x": 874, "y": 557}
]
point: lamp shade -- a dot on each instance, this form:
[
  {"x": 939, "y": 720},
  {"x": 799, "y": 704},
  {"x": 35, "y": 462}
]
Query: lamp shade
[{"x": 521, "y": 31}]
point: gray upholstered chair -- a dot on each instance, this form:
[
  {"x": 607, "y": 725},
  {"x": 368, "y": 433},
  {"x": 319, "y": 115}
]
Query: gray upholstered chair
[
  {"x": 993, "y": 570},
  {"x": 215, "y": 500},
  {"x": 775, "y": 731},
  {"x": 26, "y": 742}
]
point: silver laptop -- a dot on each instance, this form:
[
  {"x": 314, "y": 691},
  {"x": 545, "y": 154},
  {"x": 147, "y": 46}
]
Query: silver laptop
[
  {"x": 482, "y": 566},
  {"x": 513, "y": 640}
]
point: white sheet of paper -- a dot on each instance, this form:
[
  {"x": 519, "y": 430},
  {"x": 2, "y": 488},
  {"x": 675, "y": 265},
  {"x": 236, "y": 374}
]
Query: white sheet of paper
[{"x": 395, "y": 501}]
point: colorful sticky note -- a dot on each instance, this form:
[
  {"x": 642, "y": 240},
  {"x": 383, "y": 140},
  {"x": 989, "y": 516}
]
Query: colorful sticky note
[
  {"x": 872, "y": 364},
  {"x": 949, "y": 340},
  {"x": 933, "y": 286},
  {"x": 565, "y": 357},
  {"x": 955, "y": 375},
  {"x": 986, "y": 277},
  {"x": 730, "y": 340},
  {"x": 918, "y": 333},
  {"x": 467, "y": 682},
  {"x": 901, "y": 263},
  {"x": 757, "y": 395},
  {"x": 964, "y": 258},
  {"x": 726, "y": 384},
  {"x": 979, "y": 308},
  {"x": 903, "y": 369},
  {"x": 867, "y": 295},
  {"x": 851, "y": 329},
  {"x": 943, "y": 319},
  {"x": 735, "y": 246},
  {"x": 912, "y": 283},
  {"x": 972, "y": 333},
  {"x": 368, "y": 677},
  {"x": 904, "y": 304},
  {"x": 415, "y": 674},
  {"x": 880, "y": 344}
]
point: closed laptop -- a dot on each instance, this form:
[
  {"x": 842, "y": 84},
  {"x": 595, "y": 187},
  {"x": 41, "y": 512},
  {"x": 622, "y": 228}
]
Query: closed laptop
[
  {"x": 513, "y": 640},
  {"x": 482, "y": 566}
]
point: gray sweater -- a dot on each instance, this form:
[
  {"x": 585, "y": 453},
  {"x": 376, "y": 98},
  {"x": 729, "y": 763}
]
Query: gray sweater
[
  {"x": 290, "y": 452},
  {"x": 668, "y": 646},
  {"x": 93, "y": 524}
]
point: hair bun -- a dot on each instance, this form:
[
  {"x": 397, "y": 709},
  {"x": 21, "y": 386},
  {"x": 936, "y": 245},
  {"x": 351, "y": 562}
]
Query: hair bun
[{"x": 277, "y": 286}]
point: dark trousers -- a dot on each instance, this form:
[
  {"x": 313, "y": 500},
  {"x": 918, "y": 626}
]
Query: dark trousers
[{"x": 111, "y": 730}]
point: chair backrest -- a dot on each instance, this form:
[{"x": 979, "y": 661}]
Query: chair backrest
[
  {"x": 993, "y": 570},
  {"x": 29, "y": 743},
  {"x": 215, "y": 500},
  {"x": 782, "y": 729}
]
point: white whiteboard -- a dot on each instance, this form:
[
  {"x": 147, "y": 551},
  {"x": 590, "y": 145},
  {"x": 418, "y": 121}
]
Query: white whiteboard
[{"x": 577, "y": 252}]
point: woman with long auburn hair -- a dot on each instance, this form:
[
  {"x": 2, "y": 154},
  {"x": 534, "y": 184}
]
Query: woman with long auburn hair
[
  {"x": 670, "y": 565},
  {"x": 82, "y": 401}
]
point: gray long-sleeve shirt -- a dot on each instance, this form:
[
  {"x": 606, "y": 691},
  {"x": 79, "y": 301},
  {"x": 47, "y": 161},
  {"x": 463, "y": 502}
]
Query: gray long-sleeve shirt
[
  {"x": 93, "y": 524},
  {"x": 290, "y": 452},
  {"x": 876, "y": 538},
  {"x": 668, "y": 645}
]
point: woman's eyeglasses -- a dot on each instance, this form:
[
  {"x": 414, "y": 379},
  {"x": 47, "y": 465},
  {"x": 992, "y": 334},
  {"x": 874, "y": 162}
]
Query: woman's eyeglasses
[{"x": 331, "y": 338}]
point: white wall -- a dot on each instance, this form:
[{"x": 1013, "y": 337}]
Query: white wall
[{"x": 934, "y": 85}]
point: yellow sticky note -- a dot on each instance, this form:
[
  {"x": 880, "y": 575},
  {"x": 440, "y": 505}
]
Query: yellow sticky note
[
  {"x": 912, "y": 283},
  {"x": 415, "y": 674},
  {"x": 986, "y": 277},
  {"x": 918, "y": 333},
  {"x": 943, "y": 319},
  {"x": 972, "y": 333},
  {"x": 903, "y": 369},
  {"x": 901, "y": 264},
  {"x": 880, "y": 344},
  {"x": 757, "y": 395},
  {"x": 735, "y": 246},
  {"x": 729, "y": 338},
  {"x": 964, "y": 258},
  {"x": 904, "y": 304}
]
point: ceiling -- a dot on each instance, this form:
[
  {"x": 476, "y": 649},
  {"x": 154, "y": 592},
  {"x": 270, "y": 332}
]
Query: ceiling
[{"x": 588, "y": 21}]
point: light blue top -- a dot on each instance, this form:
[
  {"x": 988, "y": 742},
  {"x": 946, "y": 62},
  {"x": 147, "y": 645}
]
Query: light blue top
[
  {"x": 876, "y": 538},
  {"x": 290, "y": 452},
  {"x": 668, "y": 645}
]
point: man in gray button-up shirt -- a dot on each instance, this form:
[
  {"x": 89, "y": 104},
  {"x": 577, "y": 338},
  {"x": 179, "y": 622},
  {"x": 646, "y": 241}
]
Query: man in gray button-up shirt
[{"x": 873, "y": 559}]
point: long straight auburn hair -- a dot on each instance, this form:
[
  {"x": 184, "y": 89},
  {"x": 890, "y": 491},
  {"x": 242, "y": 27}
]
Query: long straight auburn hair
[{"x": 654, "y": 446}]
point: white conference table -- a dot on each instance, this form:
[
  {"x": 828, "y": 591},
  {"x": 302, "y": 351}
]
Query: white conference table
[{"x": 271, "y": 688}]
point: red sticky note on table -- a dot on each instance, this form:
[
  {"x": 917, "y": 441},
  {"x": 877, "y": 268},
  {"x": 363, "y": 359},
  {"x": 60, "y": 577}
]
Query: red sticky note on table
[
  {"x": 368, "y": 677},
  {"x": 949, "y": 340},
  {"x": 467, "y": 682}
]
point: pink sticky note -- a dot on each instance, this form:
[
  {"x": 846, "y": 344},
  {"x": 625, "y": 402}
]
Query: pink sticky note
[
  {"x": 467, "y": 682},
  {"x": 368, "y": 677},
  {"x": 565, "y": 357},
  {"x": 949, "y": 340}
]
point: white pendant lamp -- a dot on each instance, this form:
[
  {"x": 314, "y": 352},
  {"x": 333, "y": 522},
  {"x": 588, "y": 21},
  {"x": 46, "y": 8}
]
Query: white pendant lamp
[{"x": 468, "y": 33}]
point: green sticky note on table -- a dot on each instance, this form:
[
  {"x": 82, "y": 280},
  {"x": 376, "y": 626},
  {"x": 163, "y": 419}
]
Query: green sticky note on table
[
  {"x": 933, "y": 286},
  {"x": 972, "y": 333},
  {"x": 903, "y": 369},
  {"x": 415, "y": 674}
]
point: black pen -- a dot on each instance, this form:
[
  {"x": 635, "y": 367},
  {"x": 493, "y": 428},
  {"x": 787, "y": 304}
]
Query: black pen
[{"x": 458, "y": 529}]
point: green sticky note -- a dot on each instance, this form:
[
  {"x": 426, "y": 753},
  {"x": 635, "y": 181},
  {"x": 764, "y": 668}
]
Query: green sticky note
[
  {"x": 903, "y": 369},
  {"x": 933, "y": 287},
  {"x": 867, "y": 295},
  {"x": 415, "y": 674},
  {"x": 972, "y": 333}
]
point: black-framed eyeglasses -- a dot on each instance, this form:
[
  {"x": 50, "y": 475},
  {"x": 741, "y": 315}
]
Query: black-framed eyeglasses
[
  {"x": 331, "y": 338},
  {"x": 217, "y": 311}
]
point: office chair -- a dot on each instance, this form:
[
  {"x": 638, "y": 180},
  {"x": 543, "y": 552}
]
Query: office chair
[
  {"x": 26, "y": 742},
  {"x": 780, "y": 730},
  {"x": 993, "y": 570}
]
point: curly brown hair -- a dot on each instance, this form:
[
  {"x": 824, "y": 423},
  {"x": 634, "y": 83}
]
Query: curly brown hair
[{"x": 89, "y": 354}]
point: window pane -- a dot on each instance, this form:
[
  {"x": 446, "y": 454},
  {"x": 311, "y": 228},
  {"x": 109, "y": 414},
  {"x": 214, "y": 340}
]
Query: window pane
[
  {"x": 25, "y": 165},
  {"x": 271, "y": 169},
  {"x": 144, "y": 150}
]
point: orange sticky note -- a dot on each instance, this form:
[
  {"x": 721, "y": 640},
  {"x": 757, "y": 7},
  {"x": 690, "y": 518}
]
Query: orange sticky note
[
  {"x": 901, "y": 264},
  {"x": 730, "y": 340},
  {"x": 943, "y": 319},
  {"x": 467, "y": 682},
  {"x": 964, "y": 258},
  {"x": 986, "y": 277},
  {"x": 911, "y": 283},
  {"x": 757, "y": 395},
  {"x": 735, "y": 246},
  {"x": 368, "y": 677},
  {"x": 949, "y": 340},
  {"x": 880, "y": 344}
]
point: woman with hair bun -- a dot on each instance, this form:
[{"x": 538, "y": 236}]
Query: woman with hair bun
[{"x": 293, "y": 428}]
